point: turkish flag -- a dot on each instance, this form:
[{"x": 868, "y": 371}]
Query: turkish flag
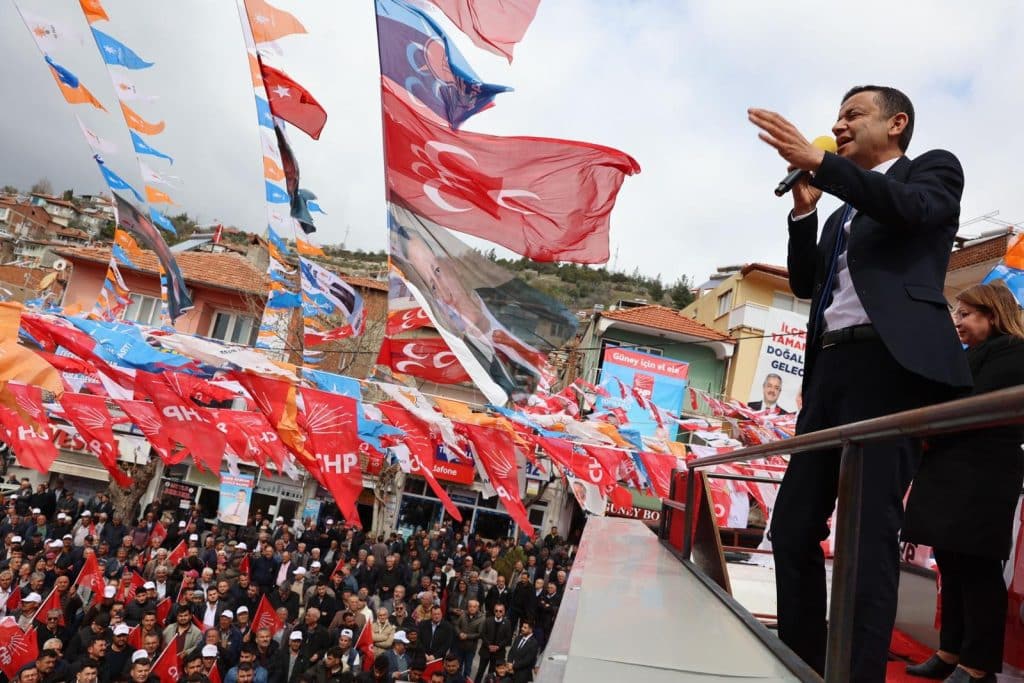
[
  {"x": 293, "y": 103},
  {"x": 178, "y": 554},
  {"x": 436, "y": 665},
  {"x": 158, "y": 532},
  {"x": 135, "y": 638},
  {"x": 163, "y": 609},
  {"x": 243, "y": 566},
  {"x": 492, "y": 26},
  {"x": 91, "y": 577},
  {"x": 167, "y": 667},
  {"x": 546, "y": 199},
  {"x": 270, "y": 23},
  {"x": 332, "y": 423},
  {"x": 126, "y": 588},
  {"x": 14, "y": 601},
  {"x": 17, "y": 647},
  {"x": 421, "y": 450},
  {"x": 184, "y": 421},
  {"x": 52, "y": 601},
  {"x": 496, "y": 452},
  {"x": 90, "y": 417},
  {"x": 32, "y": 444},
  {"x": 426, "y": 357},
  {"x": 365, "y": 645},
  {"x": 266, "y": 617}
]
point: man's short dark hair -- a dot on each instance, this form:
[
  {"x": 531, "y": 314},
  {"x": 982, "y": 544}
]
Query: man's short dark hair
[
  {"x": 246, "y": 666},
  {"x": 336, "y": 652},
  {"x": 891, "y": 101}
]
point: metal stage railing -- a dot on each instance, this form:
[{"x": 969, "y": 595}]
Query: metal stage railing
[{"x": 991, "y": 409}]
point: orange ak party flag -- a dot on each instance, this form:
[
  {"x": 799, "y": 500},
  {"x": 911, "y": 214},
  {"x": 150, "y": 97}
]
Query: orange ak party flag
[
  {"x": 139, "y": 124},
  {"x": 270, "y": 23}
]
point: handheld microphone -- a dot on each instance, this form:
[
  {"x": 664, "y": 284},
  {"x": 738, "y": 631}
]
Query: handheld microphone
[{"x": 824, "y": 143}]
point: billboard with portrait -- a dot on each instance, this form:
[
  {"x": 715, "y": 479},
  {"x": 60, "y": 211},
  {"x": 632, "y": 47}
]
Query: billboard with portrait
[
  {"x": 235, "y": 498},
  {"x": 782, "y": 354}
]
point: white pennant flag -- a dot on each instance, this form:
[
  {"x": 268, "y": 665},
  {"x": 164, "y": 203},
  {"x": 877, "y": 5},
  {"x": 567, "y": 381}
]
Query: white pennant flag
[
  {"x": 126, "y": 90},
  {"x": 98, "y": 144},
  {"x": 152, "y": 177},
  {"x": 47, "y": 31}
]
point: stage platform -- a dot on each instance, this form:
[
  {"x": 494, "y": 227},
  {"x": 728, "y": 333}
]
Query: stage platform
[{"x": 633, "y": 612}]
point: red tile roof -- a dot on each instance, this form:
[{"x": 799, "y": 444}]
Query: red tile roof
[
  {"x": 663, "y": 318},
  {"x": 223, "y": 271}
]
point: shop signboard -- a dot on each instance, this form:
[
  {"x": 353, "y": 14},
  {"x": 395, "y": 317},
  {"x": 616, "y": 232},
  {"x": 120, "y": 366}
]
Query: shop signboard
[
  {"x": 235, "y": 497},
  {"x": 657, "y": 379},
  {"x": 177, "y": 493},
  {"x": 450, "y": 467}
]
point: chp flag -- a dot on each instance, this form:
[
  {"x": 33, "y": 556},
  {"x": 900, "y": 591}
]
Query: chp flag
[
  {"x": 17, "y": 647},
  {"x": 333, "y": 432}
]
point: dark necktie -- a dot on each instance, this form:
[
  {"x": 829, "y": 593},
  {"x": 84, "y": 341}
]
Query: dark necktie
[{"x": 833, "y": 264}]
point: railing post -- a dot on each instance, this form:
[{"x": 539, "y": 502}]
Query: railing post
[
  {"x": 844, "y": 564},
  {"x": 663, "y": 524},
  {"x": 691, "y": 492}
]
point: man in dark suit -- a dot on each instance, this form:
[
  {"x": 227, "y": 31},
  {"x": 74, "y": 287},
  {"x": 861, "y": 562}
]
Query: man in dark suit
[
  {"x": 523, "y": 655},
  {"x": 771, "y": 389},
  {"x": 436, "y": 635},
  {"x": 879, "y": 340},
  {"x": 494, "y": 640}
]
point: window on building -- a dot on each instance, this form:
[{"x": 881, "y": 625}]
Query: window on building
[
  {"x": 144, "y": 310},
  {"x": 234, "y": 328},
  {"x": 788, "y": 302},
  {"x": 725, "y": 303}
]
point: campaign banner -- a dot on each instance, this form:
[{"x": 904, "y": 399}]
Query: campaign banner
[
  {"x": 311, "y": 511},
  {"x": 235, "y": 497},
  {"x": 657, "y": 379},
  {"x": 174, "y": 493},
  {"x": 783, "y": 350}
]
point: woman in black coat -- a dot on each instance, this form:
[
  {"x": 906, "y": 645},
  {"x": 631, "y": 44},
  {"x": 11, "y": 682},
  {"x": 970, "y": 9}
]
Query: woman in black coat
[{"x": 964, "y": 496}]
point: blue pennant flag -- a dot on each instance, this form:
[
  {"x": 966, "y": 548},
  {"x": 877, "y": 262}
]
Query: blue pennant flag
[
  {"x": 279, "y": 277},
  {"x": 161, "y": 221},
  {"x": 276, "y": 240},
  {"x": 263, "y": 112},
  {"x": 66, "y": 77},
  {"x": 122, "y": 256},
  {"x": 276, "y": 195},
  {"x": 282, "y": 300},
  {"x": 141, "y": 147},
  {"x": 114, "y": 181},
  {"x": 116, "y": 53},
  {"x": 1013, "y": 278},
  {"x": 123, "y": 344},
  {"x": 314, "y": 206},
  {"x": 417, "y": 55}
]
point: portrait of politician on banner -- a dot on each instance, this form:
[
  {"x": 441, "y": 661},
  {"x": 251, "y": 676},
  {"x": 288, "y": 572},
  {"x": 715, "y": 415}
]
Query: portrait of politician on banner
[
  {"x": 780, "y": 364},
  {"x": 505, "y": 325},
  {"x": 235, "y": 498}
]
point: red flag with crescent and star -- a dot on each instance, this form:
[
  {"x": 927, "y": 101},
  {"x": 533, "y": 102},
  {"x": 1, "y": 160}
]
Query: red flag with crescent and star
[
  {"x": 293, "y": 103},
  {"x": 547, "y": 199}
]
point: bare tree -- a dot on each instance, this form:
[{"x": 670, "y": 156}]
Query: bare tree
[
  {"x": 42, "y": 186},
  {"x": 126, "y": 500}
]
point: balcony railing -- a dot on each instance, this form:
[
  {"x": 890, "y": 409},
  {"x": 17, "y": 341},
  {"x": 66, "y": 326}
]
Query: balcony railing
[{"x": 988, "y": 410}]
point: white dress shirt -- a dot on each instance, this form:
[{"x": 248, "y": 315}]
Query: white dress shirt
[{"x": 846, "y": 310}]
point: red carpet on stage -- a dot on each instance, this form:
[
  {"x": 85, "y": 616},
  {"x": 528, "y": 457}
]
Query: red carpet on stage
[{"x": 905, "y": 650}]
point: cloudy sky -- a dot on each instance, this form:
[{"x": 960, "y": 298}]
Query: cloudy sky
[{"x": 667, "y": 82}]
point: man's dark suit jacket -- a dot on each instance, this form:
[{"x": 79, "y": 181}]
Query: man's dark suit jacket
[
  {"x": 436, "y": 643},
  {"x": 756, "y": 405},
  {"x": 898, "y": 253},
  {"x": 523, "y": 658}
]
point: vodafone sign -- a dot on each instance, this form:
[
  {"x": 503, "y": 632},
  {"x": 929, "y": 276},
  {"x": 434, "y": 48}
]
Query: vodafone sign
[{"x": 458, "y": 472}]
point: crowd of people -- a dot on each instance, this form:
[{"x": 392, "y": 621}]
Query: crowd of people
[{"x": 440, "y": 606}]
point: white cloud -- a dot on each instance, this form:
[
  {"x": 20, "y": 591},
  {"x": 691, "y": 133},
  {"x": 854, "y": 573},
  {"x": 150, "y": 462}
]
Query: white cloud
[{"x": 666, "y": 82}]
